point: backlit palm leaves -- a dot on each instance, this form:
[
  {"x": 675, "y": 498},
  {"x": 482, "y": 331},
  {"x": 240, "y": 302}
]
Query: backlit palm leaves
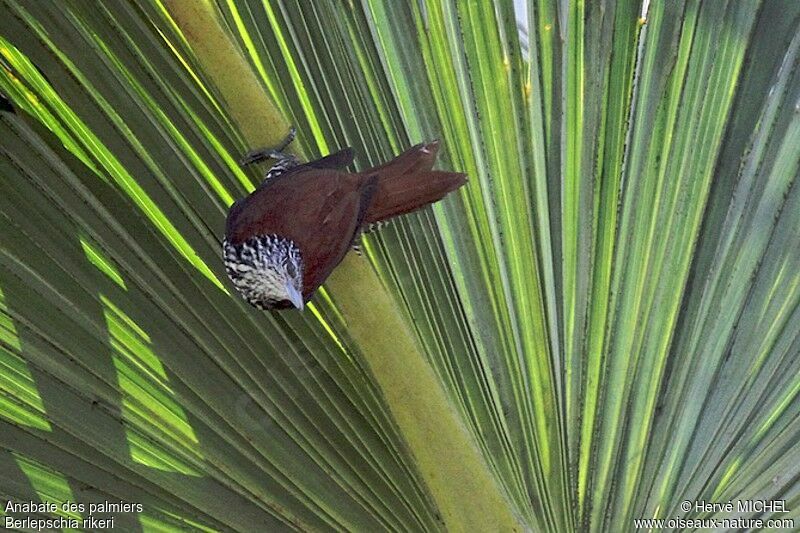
[{"x": 610, "y": 306}]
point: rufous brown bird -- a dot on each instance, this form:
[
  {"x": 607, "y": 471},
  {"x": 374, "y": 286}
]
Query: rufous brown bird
[{"x": 286, "y": 237}]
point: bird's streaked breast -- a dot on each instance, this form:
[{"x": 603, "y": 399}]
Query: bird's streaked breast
[{"x": 260, "y": 266}]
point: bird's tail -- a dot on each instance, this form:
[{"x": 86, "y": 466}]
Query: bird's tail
[{"x": 407, "y": 183}]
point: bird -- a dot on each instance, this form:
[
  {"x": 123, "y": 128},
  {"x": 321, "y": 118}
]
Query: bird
[{"x": 285, "y": 238}]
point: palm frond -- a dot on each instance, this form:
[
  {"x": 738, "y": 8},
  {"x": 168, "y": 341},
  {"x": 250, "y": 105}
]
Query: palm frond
[{"x": 603, "y": 324}]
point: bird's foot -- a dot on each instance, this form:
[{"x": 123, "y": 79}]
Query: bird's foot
[
  {"x": 374, "y": 226},
  {"x": 359, "y": 241},
  {"x": 281, "y": 166},
  {"x": 277, "y": 152}
]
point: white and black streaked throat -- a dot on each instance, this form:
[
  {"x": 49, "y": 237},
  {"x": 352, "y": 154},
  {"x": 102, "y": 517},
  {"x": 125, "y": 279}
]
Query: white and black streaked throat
[{"x": 267, "y": 270}]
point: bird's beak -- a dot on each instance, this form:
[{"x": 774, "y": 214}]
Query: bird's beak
[{"x": 294, "y": 296}]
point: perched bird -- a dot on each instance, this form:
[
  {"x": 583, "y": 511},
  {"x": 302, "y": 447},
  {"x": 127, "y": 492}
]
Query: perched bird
[{"x": 286, "y": 237}]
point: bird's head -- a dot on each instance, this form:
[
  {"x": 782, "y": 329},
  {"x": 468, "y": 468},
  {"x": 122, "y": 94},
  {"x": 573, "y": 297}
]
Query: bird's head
[{"x": 267, "y": 270}]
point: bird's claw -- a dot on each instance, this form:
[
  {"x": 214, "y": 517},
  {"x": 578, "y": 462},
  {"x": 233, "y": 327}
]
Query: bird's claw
[
  {"x": 288, "y": 139},
  {"x": 262, "y": 154}
]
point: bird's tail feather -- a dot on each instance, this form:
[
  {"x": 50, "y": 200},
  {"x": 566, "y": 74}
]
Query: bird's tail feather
[{"x": 407, "y": 183}]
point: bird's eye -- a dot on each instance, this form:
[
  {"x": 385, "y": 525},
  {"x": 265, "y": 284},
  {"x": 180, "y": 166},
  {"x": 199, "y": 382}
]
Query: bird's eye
[{"x": 291, "y": 270}]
